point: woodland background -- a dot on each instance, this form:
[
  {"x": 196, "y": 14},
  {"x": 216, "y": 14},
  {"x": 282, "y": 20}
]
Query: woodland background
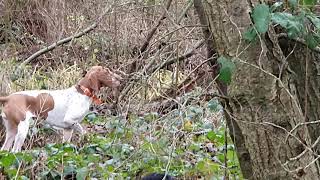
[
  {"x": 162, "y": 121},
  {"x": 218, "y": 89}
]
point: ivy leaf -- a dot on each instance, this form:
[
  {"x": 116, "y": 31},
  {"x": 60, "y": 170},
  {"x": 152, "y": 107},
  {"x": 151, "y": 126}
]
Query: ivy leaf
[
  {"x": 211, "y": 136},
  {"x": 24, "y": 178},
  {"x": 250, "y": 35},
  {"x": 261, "y": 17},
  {"x": 315, "y": 20},
  {"x": 214, "y": 105},
  {"x": 82, "y": 173},
  {"x": 293, "y": 24},
  {"x": 312, "y": 40},
  {"x": 226, "y": 69},
  {"x": 7, "y": 160},
  {"x": 67, "y": 170},
  {"x": 91, "y": 116},
  {"x": 293, "y": 3},
  {"x": 309, "y": 3}
]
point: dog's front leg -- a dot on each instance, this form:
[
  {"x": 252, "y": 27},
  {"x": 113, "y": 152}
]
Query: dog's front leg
[
  {"x": 22, "y": 133},
  {"x": 77, "y": 127},
  {"x": 67, "y": 135},
  {"x": 72, "y": 123},
  {"x": 10, "y": 136}
]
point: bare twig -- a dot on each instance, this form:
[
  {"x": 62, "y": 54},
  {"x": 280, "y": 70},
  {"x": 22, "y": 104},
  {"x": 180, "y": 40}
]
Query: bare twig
[
  {"x": 186, "y": 83},
  {"x": 153, "y": 30},
  {"x": 180, "y": 58},
  {"x": 170, "y": 61}
]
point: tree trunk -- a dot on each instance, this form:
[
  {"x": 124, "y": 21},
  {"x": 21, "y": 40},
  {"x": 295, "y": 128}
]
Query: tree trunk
[
  {"x": 306, "y": 67},
  {"x": 263, "y": 108}
]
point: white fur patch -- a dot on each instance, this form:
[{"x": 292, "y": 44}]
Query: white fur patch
[
  {"x": 70, "y": 107},
  {"x": 22, "y": 133},
  {"x": 3, "y": 115}
]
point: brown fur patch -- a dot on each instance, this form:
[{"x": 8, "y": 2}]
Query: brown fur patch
[
  {"x": 16, "y": 105},
  {"x": 98, "y": 77},
  {"x": 43, "y": 104}
]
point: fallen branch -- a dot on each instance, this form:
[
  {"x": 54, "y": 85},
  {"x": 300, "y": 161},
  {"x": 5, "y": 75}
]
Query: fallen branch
[
  {"x": 167, "y": 105},
  {"x": 58, "y": 43},
  {"x": 63, "y": 41}
]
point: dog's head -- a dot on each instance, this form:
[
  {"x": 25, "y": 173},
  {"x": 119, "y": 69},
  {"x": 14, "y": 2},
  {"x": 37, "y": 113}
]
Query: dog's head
[{"x": 99, "y": 76}]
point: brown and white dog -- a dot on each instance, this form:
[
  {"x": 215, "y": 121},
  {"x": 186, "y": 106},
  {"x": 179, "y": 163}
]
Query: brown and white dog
[{"x": 60, "y": 108}]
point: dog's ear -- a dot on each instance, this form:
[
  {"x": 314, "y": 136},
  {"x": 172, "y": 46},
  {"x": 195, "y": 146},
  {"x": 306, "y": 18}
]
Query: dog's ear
[{"x": 94, "y": 82}]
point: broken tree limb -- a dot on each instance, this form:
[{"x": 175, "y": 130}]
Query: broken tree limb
[
  {"x": 153, "y": 30},
  {"x": 65, "y": 40},
  {"x": 146, "y": 43},
  {"x": 58, "y": 43}
]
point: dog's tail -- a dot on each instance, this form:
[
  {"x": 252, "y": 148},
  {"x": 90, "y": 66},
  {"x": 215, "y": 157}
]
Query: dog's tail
[{"x": 3, "y": 100}]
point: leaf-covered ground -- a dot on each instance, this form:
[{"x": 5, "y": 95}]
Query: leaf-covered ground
[
  {"x": 187, "y": 141},
  {"x": 183, "y": 143}
]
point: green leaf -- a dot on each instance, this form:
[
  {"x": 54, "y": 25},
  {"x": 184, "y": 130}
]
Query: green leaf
[
  {"x": 23, "y": 178},
  {"x": 293, "y": 3},
  {"x": 261, "y": 17},
  {"x": 7, "y": 160},
  {"x": 226, "y": 69},
  {"x": 110, "y": 168},
  {"x": 68, "y": 170},
  {"x": 82, "y": 173},
  {"x": 214, "y": 105},
  {"x": 12, "y": 172},
  {"x": 312, "y": 40},
  {"x": 293, "y": 24},
  {"x": 315, "y": 20},
  {"x": 201, "y": 166},
  {"x": 211, "y": 136},
  {"x": 91, "y": 116},
  {"x": 250, "y": 34},
  {"x": 309, "y": 3}
]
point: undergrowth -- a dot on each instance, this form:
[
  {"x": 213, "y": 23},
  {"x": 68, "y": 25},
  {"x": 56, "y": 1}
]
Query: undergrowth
[{"x": 185, "y": 142}]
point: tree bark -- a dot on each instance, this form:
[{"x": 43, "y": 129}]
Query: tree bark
[
  {"x": 264, "y": 112},
  {"x": 306, "y": 67}
]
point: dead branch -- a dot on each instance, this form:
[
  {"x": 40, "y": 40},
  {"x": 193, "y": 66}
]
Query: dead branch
[
  {"x": 153, "y": 30},
  {"x": 58, "y": 43},
  {"x": 65, "y": 40},
  {"x": 180, "y": 58},
  {"x": 186, "y": 85},
  {"x": 168, "y": 105},
  {"x": 146, "y": 43},
  {"x": 184, "y": 12},
  {"x": 170, "y": 61}
]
